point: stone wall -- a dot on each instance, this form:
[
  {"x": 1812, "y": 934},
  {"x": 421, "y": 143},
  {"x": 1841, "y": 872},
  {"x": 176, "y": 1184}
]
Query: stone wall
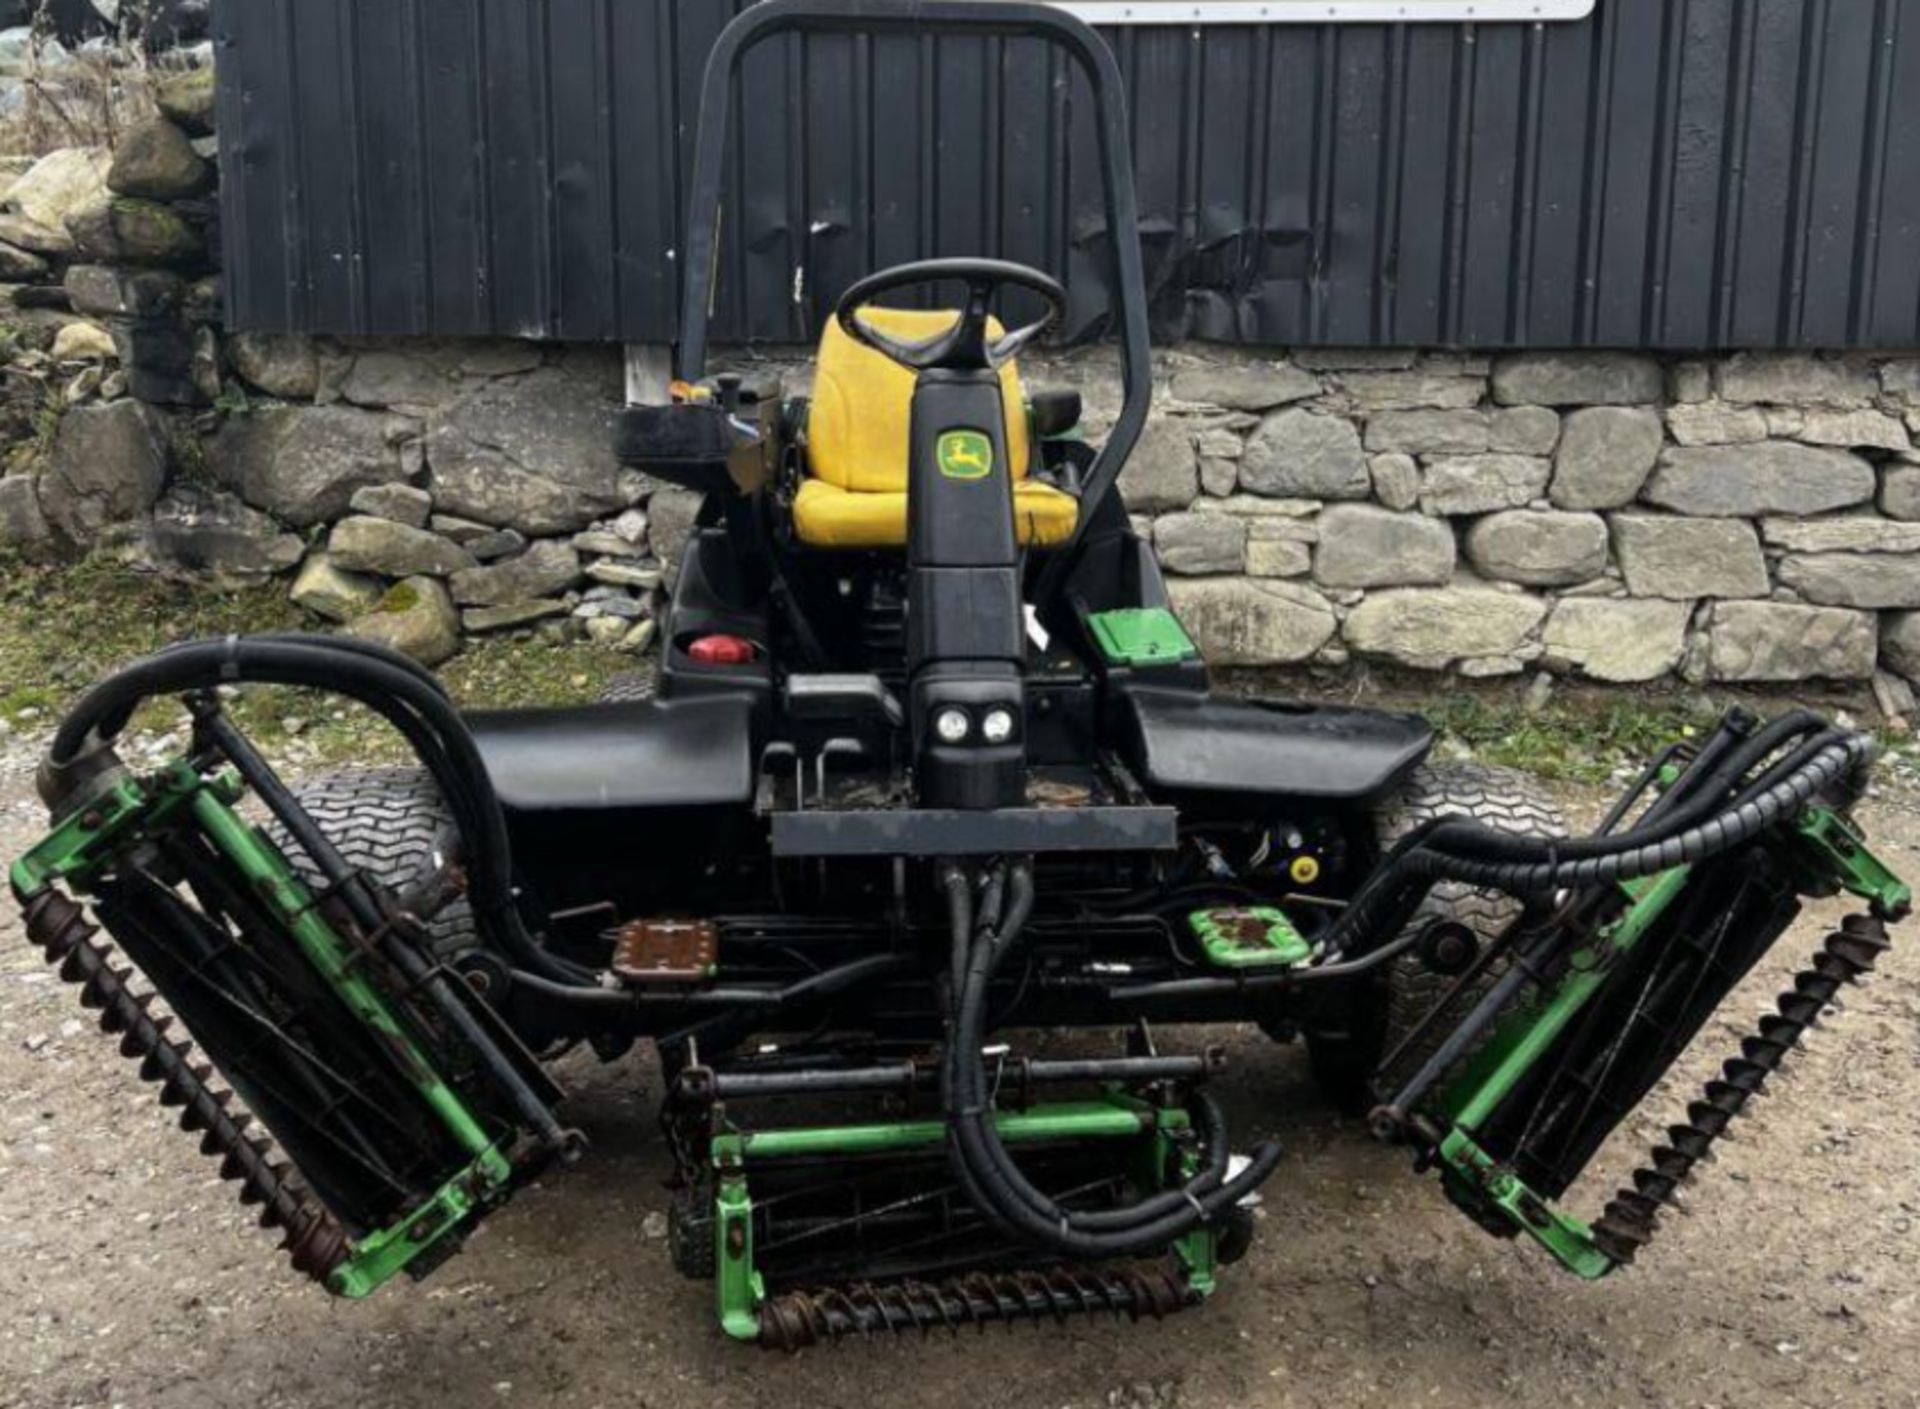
[{"x": 1622, "y": 518}]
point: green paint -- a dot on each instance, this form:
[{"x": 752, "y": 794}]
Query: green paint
[
  {"x": 1841, "y": 852},
  {"x": 1567, "y": 1238},
  {"x": 1255, "y": 937},
  {"x": 1079, "y": 1120},
  {"x": 964, "y": 454},
  {"x": 1137, "y": 636}
]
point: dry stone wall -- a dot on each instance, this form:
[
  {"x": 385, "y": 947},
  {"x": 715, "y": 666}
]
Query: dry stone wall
[{"x": 1613, "y": 516}]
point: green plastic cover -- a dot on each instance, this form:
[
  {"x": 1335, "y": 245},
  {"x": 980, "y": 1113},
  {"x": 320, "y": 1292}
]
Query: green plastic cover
[{"x": 1142, "y": 636}]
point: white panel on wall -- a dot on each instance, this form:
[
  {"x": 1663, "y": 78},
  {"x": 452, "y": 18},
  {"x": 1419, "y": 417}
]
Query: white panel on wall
[{"x": 1323, "y": 11}]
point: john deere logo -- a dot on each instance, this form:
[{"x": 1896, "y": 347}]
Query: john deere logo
[{"x": 965, "y": 455}]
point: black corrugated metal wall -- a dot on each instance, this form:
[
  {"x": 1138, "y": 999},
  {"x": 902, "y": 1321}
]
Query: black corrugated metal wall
[{"x": 1669, "y": 173}]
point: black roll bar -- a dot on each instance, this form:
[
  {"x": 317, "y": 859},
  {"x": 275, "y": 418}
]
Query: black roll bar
[{"x": 986, "y": 19}]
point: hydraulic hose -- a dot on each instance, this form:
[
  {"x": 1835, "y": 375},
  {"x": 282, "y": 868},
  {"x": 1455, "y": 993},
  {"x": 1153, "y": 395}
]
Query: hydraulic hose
[
  {"x": 403, "y": 695},
  {"x": 996, "y": 1184}
]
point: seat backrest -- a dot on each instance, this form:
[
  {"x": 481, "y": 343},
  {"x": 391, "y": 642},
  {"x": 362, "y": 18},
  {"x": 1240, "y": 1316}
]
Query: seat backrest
[{"x": 857, "y": 422}]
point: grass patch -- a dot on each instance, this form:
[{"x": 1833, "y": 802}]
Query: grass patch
[
  {"x": 63, "y": 628},
  {"x": 1579, "y": 740}
]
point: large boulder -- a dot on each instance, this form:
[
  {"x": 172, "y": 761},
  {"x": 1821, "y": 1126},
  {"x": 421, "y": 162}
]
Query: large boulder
[
  {"x": 1163, "y": 473},
  {"x": 1577, "y": 379},
  {"x": 416, "y": 618},
  {"x": 1750, "y": 480},
  {"x": 303, "y": 464},
  {"x": 1684, "y": 559},
  {"x": 209, "y": 535},
  {"x": 107, "y": 467},
  {"x": 1620, "y": 642},
  {"x": 1538, "y": 548},
  {"x": 1605, "y": 456},
  {"x": 1433, "y": 628},
  {"x": 1482, "y": 484},
  {"x": 533, "y": 453},
  {"x": 366, "y": 544},
  {"x": 1777, "y": 641},
  {"x": 61, "y": 184},
  {"x": 1305, "y": 455},
  {"x": 1362, "y": 546},
  {"x": 1241, "y": 621},
  {"x": 156, "y": 161}
]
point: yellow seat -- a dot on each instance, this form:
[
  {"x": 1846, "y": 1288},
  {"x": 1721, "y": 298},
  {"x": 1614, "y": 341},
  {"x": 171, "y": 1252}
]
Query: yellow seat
[{"x": 855, "y": 495}]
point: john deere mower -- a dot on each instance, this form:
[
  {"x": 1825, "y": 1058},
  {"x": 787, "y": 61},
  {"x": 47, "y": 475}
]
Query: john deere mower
[{"x": 930, "y": 767}]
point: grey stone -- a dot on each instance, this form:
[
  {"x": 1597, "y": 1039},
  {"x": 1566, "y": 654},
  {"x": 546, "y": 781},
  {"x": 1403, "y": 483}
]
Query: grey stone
[
  {"x": 606, "y": 631},
  {"x": 1772, "y": 641},
  {"x": 1219, "y": 476},
  {"x": 1355, "y": 359},
  {"x": 400, "y": 502},
  {"x": 465, "y": 532},
  {"x": 1405, "y": 391},
  {"x": 1255, "y": 507},
  {"x": 1683, "y": 559},
  {"x": 1278, "y": 557},
  {"x": 101, "y": 291},
  {"x": 1900, "y": 380},
  {"x": 302, "y": 464},
  {"x": 155, "y": 160},
  {"x": 620, "y": 572},
  {"x": 1481, "y": 484},
  {"x": 1716, "y": 423},
  {"x": 1893, "y": 695},
  {"x": 1874, "y": 430},
  {"x": 637, "y": 641},
  {"x": 1361, "y": 546},
  {"x": 1163, "y": 472},
  {"x": 366, "y": 544},
  {"x": 1900, "y": 492},
  {"x": 1435, "y": 627},
  {"x": 671, "y": 513},
  {"x": 496, "y": 543},
  {"x": 1620, "y": 642},
  {"x": 619, "y": 604},
  {"x": 1848, "y": 533},
  {"x": 511, "y": 614},
  {"x": 607, "y": 544},
  {"x": 632, "y": 525},
  {"x": 1201, "y": 543},
  {"x": 188, "y": 99},
  {"x": 1302, "y": 454},
  {"x": 81, "y": 341},
  {"x": 1249, "y": 622},
  {"x": 1523, "y": 430},
  {"x": 123, "y": 230},
  {"x": 547, "y": 567},
  {"x": 1577, "y": 379},
  {"x": 107, "y": 466},
  {"x": 285, "y": 365},
  {"x": 1900, "y": 643},
  {"x": 1396, "y": 481},
  {"x": 329, "y": 590},
  {"x": 1430, "y": 432},
  {"x": 23, "y": 527},
  {"x": 1605, "y": 456},
  {"x": 533, "y": 452},
  {"x": 1748, "y": 481},
  {"x": 504, "y": 357},
  {"x": 1245, "y": 386},
  {"x": 1540, "y": 549},
  {"x": 1690, "y": 382},
  {"x": 1795, "y": 379},
  {"x": 385, "y": 377},
  {"x": 209, "y": 536},
  {"x": 61, "y": 183},
  {"x": 1873, "y": 580},
  {"x": 416, "y": 618},
  {"x": 20, "y": 266}
]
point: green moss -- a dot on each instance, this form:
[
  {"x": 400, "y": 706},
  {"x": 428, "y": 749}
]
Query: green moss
[{"x": 401, "y": 597}]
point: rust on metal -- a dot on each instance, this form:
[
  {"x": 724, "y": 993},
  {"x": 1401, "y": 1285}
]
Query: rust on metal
[{"x": 665, "y": 951}]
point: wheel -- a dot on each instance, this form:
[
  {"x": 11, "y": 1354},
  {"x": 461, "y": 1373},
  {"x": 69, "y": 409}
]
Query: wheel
[
  {"x": 1500, "y": 797},
  {"x": 629, "y": 685},
  {"x": 392, "y": 823}
]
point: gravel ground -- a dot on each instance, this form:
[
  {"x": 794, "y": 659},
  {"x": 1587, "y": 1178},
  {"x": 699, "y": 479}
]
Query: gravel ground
[{"x": 129, "y": 1277}]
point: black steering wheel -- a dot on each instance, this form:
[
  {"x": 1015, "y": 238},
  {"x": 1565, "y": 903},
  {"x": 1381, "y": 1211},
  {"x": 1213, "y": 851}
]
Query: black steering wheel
[{"x": 965, "y": 347}]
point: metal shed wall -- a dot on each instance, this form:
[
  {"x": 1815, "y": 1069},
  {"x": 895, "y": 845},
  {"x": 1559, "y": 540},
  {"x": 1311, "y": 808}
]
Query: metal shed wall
[{"x": 1667, "y": 174}]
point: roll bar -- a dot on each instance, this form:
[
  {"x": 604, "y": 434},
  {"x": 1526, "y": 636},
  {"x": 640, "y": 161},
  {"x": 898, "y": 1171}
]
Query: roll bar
[{"x": 986, "y": 19}]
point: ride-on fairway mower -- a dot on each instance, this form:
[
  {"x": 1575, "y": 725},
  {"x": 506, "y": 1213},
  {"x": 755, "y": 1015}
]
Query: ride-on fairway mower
[{"x": 930, "y": 766}]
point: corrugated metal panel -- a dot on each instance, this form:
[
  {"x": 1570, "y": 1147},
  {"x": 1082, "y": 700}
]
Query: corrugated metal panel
[{"x": 1668, "y": 173}]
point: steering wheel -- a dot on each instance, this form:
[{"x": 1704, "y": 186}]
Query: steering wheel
[{"x": 965, "y": 347}]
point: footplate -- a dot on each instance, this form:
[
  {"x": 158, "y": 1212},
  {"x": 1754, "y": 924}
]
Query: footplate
[
  {"x": 387, "y": 1143},
  {"x": 1561, "y": 1071}
]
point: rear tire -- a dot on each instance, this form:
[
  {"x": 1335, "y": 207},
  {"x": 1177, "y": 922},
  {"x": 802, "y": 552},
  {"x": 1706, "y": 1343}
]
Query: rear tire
[
  {"x": 391, "y": 823},
  {"x": 1347, "y": 1068}
]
